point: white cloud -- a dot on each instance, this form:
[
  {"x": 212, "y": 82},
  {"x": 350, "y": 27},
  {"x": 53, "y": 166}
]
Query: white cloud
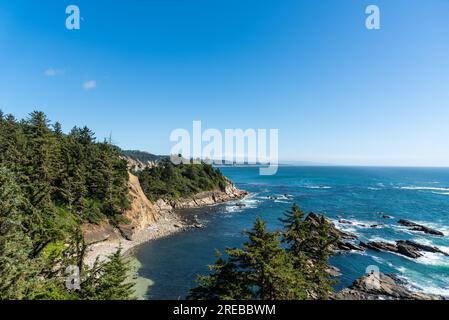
[
  {"x": 51, "y": 72},
  {"x": 89, "y": 85}
]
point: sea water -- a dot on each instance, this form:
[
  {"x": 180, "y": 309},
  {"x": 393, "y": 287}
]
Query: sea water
[{"x": 360, "y": 195}]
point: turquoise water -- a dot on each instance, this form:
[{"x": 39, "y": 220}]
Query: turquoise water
[{"x": 360, "y": 195}]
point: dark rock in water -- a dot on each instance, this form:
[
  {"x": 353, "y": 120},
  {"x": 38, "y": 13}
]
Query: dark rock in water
[
  {"x": 342, "y": 238},
  {"x": 406, "y": 248},
  {"x": 198, "y": 226},
  {"x": 378, "y": 286},
  {"x": 417, "y": 227},
  {"x": 342, "y": 221},
  {"x": 240, "y": 205},
  {"x": 379, "y": 246},
  {"x": 348, "y": 246},
  {"x": 402, "y": 248},
  {"x": 375, "y": 226},
  {"x": 422, "y": 247},
  {"x": 387, "y": 217}
]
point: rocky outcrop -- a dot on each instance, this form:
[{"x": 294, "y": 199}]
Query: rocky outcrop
[
  {"x": 343, "y": 239},
  {"x": 94, "y": 233},
  {"x": 138, "y": 165},
  {"x": 417, "y": 227},
  {"x": 202, "y": 199},
  {"x": 423, "y": 247},
  {"x": 406, "y": 248},
  {"x": 378, "y": 286}
]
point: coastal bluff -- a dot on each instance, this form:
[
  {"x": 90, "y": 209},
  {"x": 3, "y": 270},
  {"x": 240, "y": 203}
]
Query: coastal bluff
[{"x": 146, "y": 217}]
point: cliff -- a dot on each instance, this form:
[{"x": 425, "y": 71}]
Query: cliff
[
  {"x": 202, "y": 199},
  {"x": 144, "y": 215}
]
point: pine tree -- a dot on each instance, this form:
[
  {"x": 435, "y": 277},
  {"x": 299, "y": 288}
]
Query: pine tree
[
  {"x": 112, "y": 284},
  {"x": 225, "y": 282},
  {"x": 322, "y": 241},
  {"x": 260, "y": 270},
  {"x": 40, "y": 153},
  {"x": 17, "y": 272},
  {"x": 268, "y": 268},
  {"x": 296, "y": 231}
]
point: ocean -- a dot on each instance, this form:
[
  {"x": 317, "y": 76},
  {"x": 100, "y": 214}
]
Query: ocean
[{"x": 360, "y": 195}]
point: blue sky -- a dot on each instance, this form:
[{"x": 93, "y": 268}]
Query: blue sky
[{"x": 337, "y": 92}]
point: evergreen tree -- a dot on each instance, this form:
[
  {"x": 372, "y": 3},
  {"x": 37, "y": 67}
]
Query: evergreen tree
[
  {"x": 260, "y": 270},
  {"x": 109, "y": 281},
  {"x": 17, "y": 272},
  {"x": 322, "y": 241},
  {"x": 225, "y": 282}
]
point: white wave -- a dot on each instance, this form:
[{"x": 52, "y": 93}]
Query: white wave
[
  {"x": 379, "y": 239},
  {"x": 283, "y": 197},
  {"x": 442, "y": 193},
  {"x": 401, "y": 269},
  {"x": 426, "y": 287},
  {"x": 360, "y": 224},
  {"x": 434, "y": 259},
  {"x": 444, "y": 249},
  {"x": 381, "y": 261},
  {"x": 250, "y": 202},
  {"x": 424, "y": 188},
  {"x": 348, "y": 228},
  {"x": 281, "y": 201},
  {"x": 317, "y": 187}
]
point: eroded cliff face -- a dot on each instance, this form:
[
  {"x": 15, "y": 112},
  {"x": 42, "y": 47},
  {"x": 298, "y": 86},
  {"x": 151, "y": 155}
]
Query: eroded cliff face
[
  {"x": 144, "y": 214},
  {"x": 141, "y": 214}
]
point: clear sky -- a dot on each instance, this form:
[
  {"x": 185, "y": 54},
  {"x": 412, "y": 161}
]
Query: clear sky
[{"x": 337, "y": 92}]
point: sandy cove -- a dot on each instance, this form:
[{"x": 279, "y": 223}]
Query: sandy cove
[
  {"x": 166, "y": 226},
  {"x": 149, "y": 221}
]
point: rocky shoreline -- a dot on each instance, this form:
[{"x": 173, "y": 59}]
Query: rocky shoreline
[
  {"x": 376, "y": 285},
  {"x": 379, "y": 286},
  {"x": 149, "y": 221}
]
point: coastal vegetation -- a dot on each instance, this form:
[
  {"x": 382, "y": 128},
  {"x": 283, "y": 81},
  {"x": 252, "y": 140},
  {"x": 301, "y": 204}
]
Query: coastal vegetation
[
  {"x": 288, "y": 265},
  {"x": 50, "y": 184},
  {"x": 170, "y": 182}
]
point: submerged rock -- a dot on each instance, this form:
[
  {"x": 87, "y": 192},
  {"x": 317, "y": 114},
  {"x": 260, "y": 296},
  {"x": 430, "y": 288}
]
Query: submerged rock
[{"x": 417, "y": 227}]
